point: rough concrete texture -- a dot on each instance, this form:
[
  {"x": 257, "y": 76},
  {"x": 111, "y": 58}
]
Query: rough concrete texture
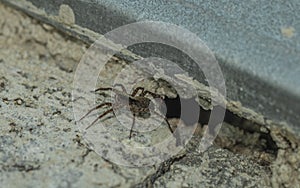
[
  {"x": 40, "y": 146},
  {"x": 213, "y": 169},
  {"x": 39, "y": 143},
  {"x": 256, "y": 42}
]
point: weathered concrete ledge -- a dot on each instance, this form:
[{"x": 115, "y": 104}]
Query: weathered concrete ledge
[{"x": 257, "y": 43}]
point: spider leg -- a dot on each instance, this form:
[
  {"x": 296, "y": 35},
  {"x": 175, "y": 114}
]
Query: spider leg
[
  {"x": 112, "y": 88},
  {"x": 133, "y": 122},
  {"x": 99, "y": 117},
  {"x": 145, "y": 93},
  {"x": 136, "y": 90},
  {"x": 105, "y": 89},
  {"x": 152, "y": 94},
  {"x": 95, "y": 108},
  {"x": 165, "y": 120}
]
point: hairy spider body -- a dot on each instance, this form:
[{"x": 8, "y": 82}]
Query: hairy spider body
[{"x": 138, "y": 105}]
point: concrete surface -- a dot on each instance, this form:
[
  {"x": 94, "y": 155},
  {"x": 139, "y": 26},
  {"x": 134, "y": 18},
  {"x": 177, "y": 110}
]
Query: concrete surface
[
  {"x": 41, "y": 147},
  {"x": 256, "y": 42}
]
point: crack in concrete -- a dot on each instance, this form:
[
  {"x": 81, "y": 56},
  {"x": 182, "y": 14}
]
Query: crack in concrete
[{"x": 162, "y": 169}]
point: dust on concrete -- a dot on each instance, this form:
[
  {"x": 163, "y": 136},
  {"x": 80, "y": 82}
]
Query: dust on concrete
[{"x": 39, "y": 140}]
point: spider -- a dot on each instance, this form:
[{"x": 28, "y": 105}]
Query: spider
[{"x": 139, "y": 105}]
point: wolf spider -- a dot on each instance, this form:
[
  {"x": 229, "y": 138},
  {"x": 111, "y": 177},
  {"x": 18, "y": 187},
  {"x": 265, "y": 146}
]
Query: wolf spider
[{"x": 138, "y": 104}]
